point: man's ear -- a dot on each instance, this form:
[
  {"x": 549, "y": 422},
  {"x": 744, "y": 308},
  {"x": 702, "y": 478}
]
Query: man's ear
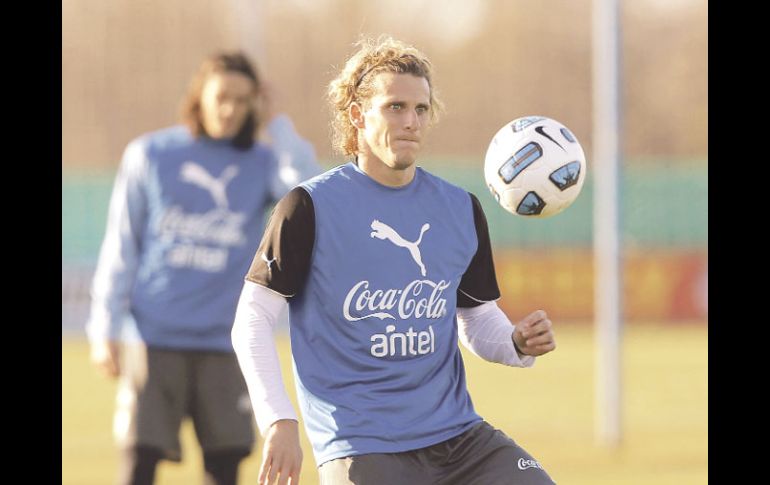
[{"x": 356, "y": 115}]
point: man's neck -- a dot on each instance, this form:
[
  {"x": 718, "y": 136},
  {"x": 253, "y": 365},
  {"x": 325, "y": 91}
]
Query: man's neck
[{"x": 383, "y": 174}]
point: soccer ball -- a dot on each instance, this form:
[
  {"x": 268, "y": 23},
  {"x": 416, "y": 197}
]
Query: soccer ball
[{"x": 534, "y": 167}]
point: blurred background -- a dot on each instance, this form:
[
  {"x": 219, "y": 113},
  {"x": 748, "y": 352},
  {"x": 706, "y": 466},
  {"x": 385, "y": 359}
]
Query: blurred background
[{"x": 126, "y": 64}]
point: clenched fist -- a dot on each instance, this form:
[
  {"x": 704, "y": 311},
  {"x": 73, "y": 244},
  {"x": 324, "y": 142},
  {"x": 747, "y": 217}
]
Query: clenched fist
[{"x": 533, "y": 334}]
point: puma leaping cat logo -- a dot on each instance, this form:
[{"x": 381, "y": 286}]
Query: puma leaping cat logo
[
  {"x": 195, "y": 174},
  {"x": 384, "y": 231},
  {"x": 268, "y": 262}
]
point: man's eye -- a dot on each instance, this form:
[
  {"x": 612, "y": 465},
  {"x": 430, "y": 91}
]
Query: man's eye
[{"x": 395, "y": 106}]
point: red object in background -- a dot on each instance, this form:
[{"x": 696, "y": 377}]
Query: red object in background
[{"x": 660, "y": 285}]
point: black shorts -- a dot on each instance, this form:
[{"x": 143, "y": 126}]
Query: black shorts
[
  {"x": 159, "y": 388},
  {"x": 482, "y": 455}
]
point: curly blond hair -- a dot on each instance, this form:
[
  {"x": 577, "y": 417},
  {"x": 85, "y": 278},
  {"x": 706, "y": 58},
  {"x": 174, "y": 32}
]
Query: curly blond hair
[{"x": 356, "y": 83}]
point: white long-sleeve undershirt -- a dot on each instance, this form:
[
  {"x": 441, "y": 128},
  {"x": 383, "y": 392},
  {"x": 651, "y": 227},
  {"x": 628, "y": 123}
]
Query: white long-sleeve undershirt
[
  {"x": 252, "y": 334},
  {"x": 487, "y": 332}
]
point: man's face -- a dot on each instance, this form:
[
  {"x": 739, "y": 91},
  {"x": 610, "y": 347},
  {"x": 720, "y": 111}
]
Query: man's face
[
  {"x": 396, "y": 118},
  {"x": 226, "y": 99}
]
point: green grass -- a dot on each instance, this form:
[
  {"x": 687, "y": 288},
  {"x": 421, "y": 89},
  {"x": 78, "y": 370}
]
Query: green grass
[{"x": 548, "y": 409}]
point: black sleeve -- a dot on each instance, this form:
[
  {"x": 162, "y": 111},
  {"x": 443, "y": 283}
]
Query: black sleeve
[
  {"x": 479, "y": 283},
  {"x": 282, "y": 261}
]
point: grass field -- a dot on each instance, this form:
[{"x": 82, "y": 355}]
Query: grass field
[{"x": 548, "y": 409}]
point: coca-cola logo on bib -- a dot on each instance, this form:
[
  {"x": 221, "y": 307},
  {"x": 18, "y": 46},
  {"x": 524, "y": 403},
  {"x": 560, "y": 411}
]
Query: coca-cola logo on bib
[{"x": 418, "y": 299}]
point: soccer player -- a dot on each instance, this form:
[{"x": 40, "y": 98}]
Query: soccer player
[
  {"x": 187, "y": 205},
  {"x": 384, "y": 266}
]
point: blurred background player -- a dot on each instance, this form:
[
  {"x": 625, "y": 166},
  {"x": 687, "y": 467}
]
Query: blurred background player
[
  {"x": 187, "y": 206},
  {"x": 384, "y": 266}
]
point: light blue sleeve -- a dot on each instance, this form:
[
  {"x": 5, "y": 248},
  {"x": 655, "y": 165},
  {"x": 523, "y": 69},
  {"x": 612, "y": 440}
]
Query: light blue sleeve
[
  {"x": 295, "y": 156},
  {"x": 118, "y": 260}
]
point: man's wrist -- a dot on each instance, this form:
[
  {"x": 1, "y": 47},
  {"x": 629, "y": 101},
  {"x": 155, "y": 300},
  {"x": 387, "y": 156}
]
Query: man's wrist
[{"x": 516, "y": 346}]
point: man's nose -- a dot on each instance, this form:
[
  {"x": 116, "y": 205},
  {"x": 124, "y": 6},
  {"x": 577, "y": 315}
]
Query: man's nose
[{"x": 412, "y": 120}]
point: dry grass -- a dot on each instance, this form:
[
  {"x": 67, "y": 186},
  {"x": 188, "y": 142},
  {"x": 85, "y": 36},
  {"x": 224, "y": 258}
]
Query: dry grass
[{"x": 548, "y": 409}]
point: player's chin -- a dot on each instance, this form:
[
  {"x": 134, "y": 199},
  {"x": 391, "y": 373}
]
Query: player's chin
[
  {"x": 404, "y": 160},
  {"x": 223, "y": 132}
]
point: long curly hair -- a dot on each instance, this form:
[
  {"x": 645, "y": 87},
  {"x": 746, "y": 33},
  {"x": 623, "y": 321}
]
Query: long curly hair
[{"x": 355, "y": 83}]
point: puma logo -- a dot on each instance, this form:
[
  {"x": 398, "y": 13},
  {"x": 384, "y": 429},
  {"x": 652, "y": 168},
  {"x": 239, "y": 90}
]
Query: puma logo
[
  {"x": 268, "y": 262},
  {"x": 384, "y": 231},
  {"x": 195, "y": 174}
]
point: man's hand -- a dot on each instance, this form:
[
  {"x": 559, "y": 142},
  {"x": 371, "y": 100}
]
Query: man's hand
[
  {"x": 281, "y": 454},
  {"x": 533, "y": 334},
  {"x": 105, "y": 355}
]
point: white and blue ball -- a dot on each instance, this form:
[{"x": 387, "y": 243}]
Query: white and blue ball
[{"x": 535, "y": 167}]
